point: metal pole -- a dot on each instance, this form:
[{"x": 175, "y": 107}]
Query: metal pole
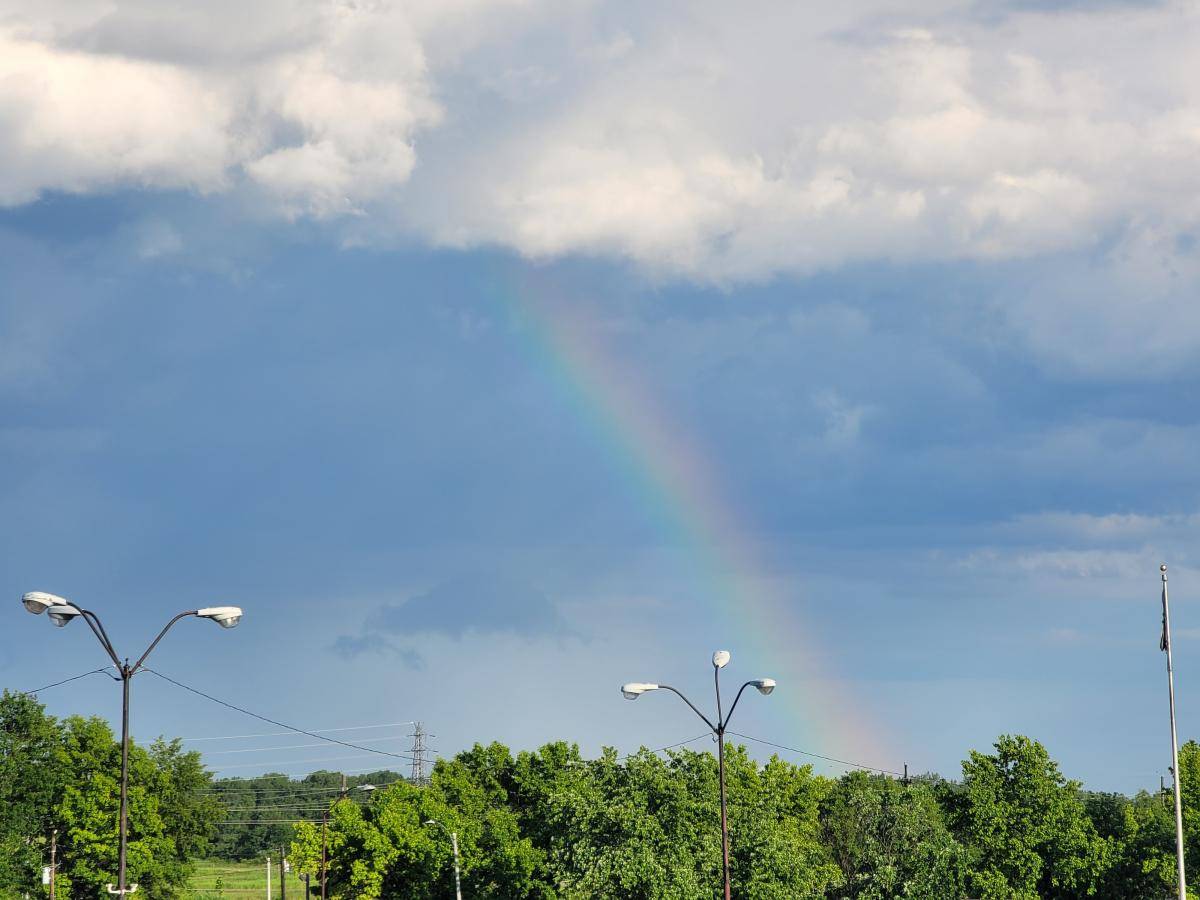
[
  {"x": 457, "y": 880},
  {"x": 268, "y": 878},
  {"x": 720, "y": 730},
  {"x": 1174, "y": 739},
  {"x": 126, "y": 675},
  {"x": 724, "y": 818}
]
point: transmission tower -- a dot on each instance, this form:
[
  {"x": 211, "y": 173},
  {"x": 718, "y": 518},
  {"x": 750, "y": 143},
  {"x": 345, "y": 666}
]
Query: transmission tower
[{"x": 419, "y": 750}]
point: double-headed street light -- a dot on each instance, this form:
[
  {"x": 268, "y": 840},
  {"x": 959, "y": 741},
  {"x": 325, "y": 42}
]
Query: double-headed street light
[
  {"x": 720, "y": 659},
  {"x": 63, "y": 612}
]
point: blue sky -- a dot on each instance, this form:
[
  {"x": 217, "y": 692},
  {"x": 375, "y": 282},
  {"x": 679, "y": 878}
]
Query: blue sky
[{"x": 920, "y": 295}]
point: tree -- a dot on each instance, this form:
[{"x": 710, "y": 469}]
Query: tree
[
  {"x": 64, "y": 776},
  {"x": 1026, "y": 826},
  {"x": 32, "y": 775},
  {"x": 385, "y": 849},
  {"x": 1142, "y": 833},
  {"x": 890, "y": 841}
]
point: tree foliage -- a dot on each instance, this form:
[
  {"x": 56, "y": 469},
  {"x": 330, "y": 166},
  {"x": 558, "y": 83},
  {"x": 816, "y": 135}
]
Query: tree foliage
[{"x": 64, "y": 777}]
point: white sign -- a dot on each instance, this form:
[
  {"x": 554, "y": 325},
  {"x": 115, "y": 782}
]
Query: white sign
[{"x": 45, "y": 874}]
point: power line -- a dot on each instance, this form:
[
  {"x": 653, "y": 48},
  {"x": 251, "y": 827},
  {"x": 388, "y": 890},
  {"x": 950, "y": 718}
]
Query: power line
[
  {"x": 230, "y": 737},
  {"x": 215, "y": 790},
  {"x": 398, "y": 737},
  {"x": 268, "y": 822},
  {"x": 46, "y": 687},
  {"x": 844, "y": 762},
  {"x": 284, "y": 765},
  {"x": 243, "y": 778},
  {"x": 269, "y": 720},
  {"x": 299, "y": 790},
  {"x": 671, "y": 746}
]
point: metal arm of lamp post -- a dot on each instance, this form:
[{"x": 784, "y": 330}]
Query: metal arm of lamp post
[
  {"x": 720, "y": 659},
  {"x": 454, "y": 845},
  {"x": 61, "y": 612}
]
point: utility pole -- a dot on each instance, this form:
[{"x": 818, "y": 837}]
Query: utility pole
[
  {"x": 418, "y": 754},
  {"x": 1165, "y": 645},
  {"x": 282, "y": 875}
]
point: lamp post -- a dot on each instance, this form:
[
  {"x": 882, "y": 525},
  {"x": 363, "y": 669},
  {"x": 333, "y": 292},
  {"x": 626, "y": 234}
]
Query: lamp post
[
  {"x": 342, "y": 795},
  {"x": 720, "y": 660},
  {"x": 63, "y": 612},
  {"x": 454, "y": 844}
]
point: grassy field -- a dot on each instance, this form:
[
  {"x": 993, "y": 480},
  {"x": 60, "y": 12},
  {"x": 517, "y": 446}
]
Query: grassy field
[{"x": 217, "y": 878}]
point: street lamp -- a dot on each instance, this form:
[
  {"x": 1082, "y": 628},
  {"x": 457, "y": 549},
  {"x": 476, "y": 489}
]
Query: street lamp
[
  {"x": 454, "y": 844},
  {"x": 720, "y": 659},
  {"x": 342, "y": 795},
  {"x": 63, "y": 612}
]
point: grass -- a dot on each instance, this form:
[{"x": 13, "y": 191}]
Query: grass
[{"x": 219, "y": 878}]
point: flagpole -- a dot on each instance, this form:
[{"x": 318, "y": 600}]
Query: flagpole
[{"x": 1165, "y": 644}]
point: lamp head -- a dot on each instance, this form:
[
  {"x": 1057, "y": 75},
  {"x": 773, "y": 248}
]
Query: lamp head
[
  {"x": 366, "y": 787},
  {"x": 61, "y": 616},
  {"x": 764, "y": 685},
  {"x": 720, "y": 659},
  {"x": 635, "y": 689},
  {"x": 38, "y": 602},
  {"x": 225, "y": 616}
]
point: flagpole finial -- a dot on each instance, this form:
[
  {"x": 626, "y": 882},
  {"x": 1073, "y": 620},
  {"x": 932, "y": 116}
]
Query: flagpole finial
[{"x": 1163, "y": 569}]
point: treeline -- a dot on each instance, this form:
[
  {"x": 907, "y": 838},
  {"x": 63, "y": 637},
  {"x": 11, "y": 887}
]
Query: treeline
[{"x": 550, "y": 824}]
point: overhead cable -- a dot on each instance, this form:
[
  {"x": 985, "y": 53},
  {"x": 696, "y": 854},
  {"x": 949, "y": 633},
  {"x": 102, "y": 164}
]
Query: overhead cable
[
  {"x": 271, "y": 721},
  {"x": 46, "y": 687},
  {"x": 230, "y": 737},
  {"x": 399, "y": 737},
  {"x": 833, "y": 759}
]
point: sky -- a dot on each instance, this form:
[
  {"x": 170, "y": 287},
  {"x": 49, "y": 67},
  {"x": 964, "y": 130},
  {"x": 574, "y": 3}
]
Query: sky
[{"x": 493, "y": 354}]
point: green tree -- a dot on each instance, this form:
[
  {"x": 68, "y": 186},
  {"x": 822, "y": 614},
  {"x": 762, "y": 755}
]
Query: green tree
[
  {"x": 1026, "y": 826},
  {"x": 32, "y": 774},
  {"x": 890, "y": 841},
  {"x": 385, "y": 849},
  {"x": 1142, "y": 834},
  {"x": 64, "y": 776}
]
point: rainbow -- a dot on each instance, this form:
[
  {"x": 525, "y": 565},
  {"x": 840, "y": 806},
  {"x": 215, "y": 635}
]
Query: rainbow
[{"x": 684, "y": 496}]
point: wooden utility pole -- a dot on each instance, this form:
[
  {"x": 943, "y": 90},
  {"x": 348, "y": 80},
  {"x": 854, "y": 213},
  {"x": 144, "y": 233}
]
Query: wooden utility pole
[{"x": 53, "y": 860}]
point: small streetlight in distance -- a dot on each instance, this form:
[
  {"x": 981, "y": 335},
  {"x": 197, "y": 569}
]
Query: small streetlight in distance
[
  {"x": 454, "y": 844},
  {"x": 62, "y": 612},
  {"x": 342, "y": 795},
  {"x": 634, "y": 689}
]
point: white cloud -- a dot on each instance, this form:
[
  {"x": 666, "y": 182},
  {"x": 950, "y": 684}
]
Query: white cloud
[
  {"x": 321, "y": 114},
  {"x": 699, "y": 140}
]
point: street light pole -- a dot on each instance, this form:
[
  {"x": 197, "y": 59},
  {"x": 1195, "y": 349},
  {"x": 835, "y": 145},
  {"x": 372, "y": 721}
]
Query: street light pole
[
  {"x": 342, "y": 795},
  {"x": 62, "y": 612},
  {"x": 720, "y": 659},
  {"x": 454, "y": 845}
]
